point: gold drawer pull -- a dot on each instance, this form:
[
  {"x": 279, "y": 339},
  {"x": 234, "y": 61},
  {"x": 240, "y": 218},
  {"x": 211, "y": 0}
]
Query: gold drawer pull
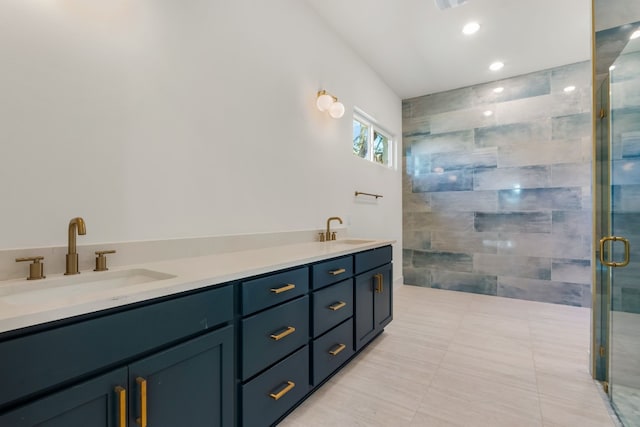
[
  {"x": 337, "y": 350},
  {"x": 336, "y": 272},
  {"x": 379, "y": 282},
  {"x": 142, "y": 384},
  {"x": 287, "y": 389},
  {"x": 337, "y": 306},
  {"x": 121, "y": 394},
  {"x": 281, "y": 335},
  {"x": 285, "y": 288}
]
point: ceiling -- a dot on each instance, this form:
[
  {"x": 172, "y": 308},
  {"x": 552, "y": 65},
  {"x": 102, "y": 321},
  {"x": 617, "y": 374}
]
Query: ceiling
[{"x": 418, "y": 49}]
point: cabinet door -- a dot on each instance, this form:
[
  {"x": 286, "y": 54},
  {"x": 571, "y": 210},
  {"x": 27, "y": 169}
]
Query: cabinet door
[
  {"x": 189, "y": 385},
  {"x": 383, "y": 309},
  {"x": 374, "y": 303},
  {"x": 365, "y": 322},
  {"x": 94, "y": 403}
]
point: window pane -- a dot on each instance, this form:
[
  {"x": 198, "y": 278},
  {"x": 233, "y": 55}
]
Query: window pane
[
  {"x": 380, "y": 148},
  {"x": 360, "y": 139}
]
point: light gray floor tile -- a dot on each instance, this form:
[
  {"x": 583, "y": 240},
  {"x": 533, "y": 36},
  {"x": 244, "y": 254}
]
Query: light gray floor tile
[{"x": 457, "y": 359}]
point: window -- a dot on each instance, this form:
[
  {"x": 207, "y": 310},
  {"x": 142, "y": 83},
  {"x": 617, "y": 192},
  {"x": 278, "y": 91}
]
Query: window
[{"x": 370, "y": 141}]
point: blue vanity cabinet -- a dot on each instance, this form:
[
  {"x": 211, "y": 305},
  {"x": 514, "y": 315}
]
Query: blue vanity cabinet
[
  {"x": 332, "y": 350},
  {"x": 332, "y": 321},
  {"x": 373, "y": 294},
  {"x": 188, "y": 385},
  {"x": 236, "y": 354},
  {"x": 332, "y": 305},
  {"x": 331, "y": 271},
  {"x": 267, "y": 291},
  {"x": 274, "y": 351},
  {"x": 169, "y": 361},
  {"x": 96, "y": 403},
  {"x": 274, "y": 392},
  {"x": 273, "y": 334}
]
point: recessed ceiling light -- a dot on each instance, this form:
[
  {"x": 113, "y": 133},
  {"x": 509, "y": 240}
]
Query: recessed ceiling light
[
  {"x": 613, "y": 67},
  {"x": 470, "y": 28},
  {"x": 569, "y": 88},
  {"x": 488, "y": 113},
  {"x": 496, "y": 66},
  {"x": 498, "y": 89},
  {"x": 635, "y": 35}
]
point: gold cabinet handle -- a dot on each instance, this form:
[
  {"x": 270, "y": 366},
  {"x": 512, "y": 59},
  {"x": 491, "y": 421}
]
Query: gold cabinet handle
[
  {"x": 379, "y": 282},
  {"x": 337, "y": 306},
  {"x": 121, "y": 395},
  {"x": 288, "y": 331},
  {"x": 142, "y": 386},
  {"x": 290, "y": 385},
  {"x": 627, "y": 250},
  {"x": 337, "y": 350},
  {"x": 285, "y": 288},
  {"x": 336, "y": 272}
]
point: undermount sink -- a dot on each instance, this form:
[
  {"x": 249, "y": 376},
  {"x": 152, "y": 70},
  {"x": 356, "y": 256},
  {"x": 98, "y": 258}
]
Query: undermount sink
[
  {"x": 39, "y": 291},
  {"x": 354, "y": 241}
]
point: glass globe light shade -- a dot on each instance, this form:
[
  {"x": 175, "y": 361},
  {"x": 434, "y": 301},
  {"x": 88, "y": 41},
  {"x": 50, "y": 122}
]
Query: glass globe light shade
[
  {"x": 324, "y": 101},
  {"x": 336, "y": 110}
]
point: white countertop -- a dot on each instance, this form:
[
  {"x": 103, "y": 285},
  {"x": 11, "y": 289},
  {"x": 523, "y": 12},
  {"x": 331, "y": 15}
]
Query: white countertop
[{"x": 190, "y": 273}]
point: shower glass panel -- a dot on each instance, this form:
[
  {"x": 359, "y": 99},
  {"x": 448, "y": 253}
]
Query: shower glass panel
[{"x": 624, "y": 318}]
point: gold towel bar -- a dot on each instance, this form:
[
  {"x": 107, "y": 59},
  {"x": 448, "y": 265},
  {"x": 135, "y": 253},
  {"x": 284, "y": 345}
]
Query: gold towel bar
[{"x": 368, "y": 194}]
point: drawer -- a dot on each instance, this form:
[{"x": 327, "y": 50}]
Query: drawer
[
  {"x": 258, "y": 294},
  {"x": 332, "y": 271},
  {"x": 371, "y": 259},
  {"x": 332, "y": 305},
  {"x": 331, "y": 351},
  {"x": 273, "y": 334},
  {"x": 271, "y": 394},
  {"x": 66, "y": 352}
]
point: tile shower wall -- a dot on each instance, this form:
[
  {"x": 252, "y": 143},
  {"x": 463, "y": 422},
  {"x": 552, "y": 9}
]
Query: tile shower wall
[{"x": 497, "y": 188}]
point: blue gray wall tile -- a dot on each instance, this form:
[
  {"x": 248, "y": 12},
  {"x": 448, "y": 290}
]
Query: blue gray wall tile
[
  {"x": 576, "y": 223},
  {"x": 429, "y": 221},
  {"x": 462, "y": 242},
  {"x": 513, "y": 222},
  {"x": 540, "y": 199},
  {"x": 461, "y": 201},
  {"x": 513, "y": 135},
  {"x": 511, "y": 265},
  {"x": 439, "y": 143},
  {"x": 512, "y": 178},
  {"x": 458, "y": 180},
  {"x": 571, "y": 270},
  {"x": 572, "y": 126},
  {"x": 525, "y": 244},
  {"x": 465, "y": 282},
  {"x": 501, "y": 204},
  {"x": 544, "y": 291},
  {"x": 477, "y": 158},
  {"x": 571, "y": 175},
  {"x": 519, "y": 87},
  {"x": 450, "y": 261}
]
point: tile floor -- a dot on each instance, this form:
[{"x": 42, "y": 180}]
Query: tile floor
[{"x": 459, "y": 359}]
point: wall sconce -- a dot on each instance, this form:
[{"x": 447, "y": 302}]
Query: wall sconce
[{"x": 328, "y": 102}]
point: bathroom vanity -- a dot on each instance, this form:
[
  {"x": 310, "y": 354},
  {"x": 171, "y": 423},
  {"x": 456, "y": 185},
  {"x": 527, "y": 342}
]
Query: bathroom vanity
[{"x": 238, "y": 352}]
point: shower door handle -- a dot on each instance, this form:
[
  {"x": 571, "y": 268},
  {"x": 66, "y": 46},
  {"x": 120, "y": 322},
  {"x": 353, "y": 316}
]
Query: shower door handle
[{"x": 625, "y": 262}]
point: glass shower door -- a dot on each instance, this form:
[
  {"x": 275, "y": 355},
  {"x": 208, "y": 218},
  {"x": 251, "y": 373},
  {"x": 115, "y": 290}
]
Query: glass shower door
[{"x": 619, "y": 250}]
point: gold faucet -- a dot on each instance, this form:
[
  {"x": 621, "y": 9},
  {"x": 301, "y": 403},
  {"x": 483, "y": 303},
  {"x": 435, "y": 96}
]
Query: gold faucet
[
  {"x": 76, "y": 224},
  {"x": 328, "y": 235}
]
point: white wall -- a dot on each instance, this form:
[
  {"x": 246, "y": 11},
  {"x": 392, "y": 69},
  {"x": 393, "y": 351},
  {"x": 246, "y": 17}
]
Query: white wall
[{"x": 157, "y": 119}]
